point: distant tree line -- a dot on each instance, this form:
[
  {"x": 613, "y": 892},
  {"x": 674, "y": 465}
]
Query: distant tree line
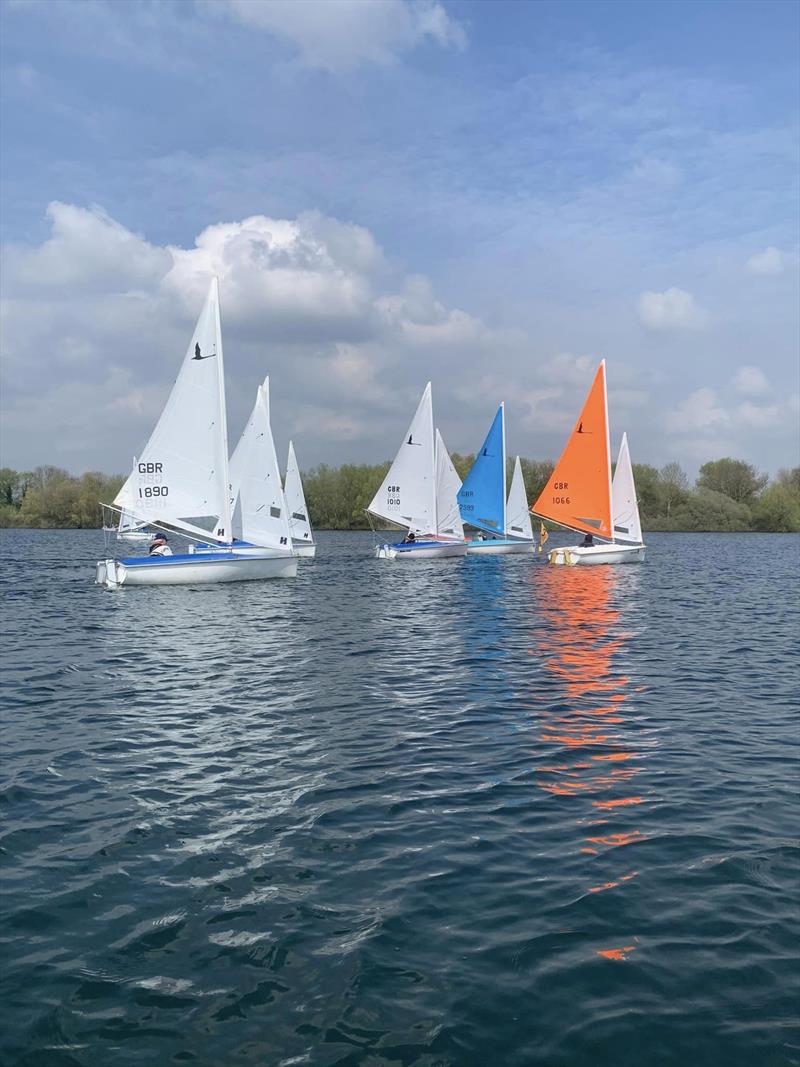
[{"x": 729, "y": 495}]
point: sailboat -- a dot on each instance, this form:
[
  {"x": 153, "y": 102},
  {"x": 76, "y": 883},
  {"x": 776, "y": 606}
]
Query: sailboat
[
  {"x": 129, "y": 528},
  {"x": 419, "y": 493},
  {"x": 299, "y": 523},
  {"x": 579, "y": 492},
  {"x": 181, "y": 483},
  {"x": 482, "y": 498}
]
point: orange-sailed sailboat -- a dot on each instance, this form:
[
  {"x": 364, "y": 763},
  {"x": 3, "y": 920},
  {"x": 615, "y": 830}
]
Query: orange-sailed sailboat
[{"x": 580, "y": 495}]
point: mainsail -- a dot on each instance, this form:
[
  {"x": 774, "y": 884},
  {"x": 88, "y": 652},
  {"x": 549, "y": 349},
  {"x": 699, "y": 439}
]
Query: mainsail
[
  {"x": 259, "y": 509},
  {"x": 518, "y": 517},
  {"x": 299, "y": 522},
  {"x": 578, "y": 493},
  {"x": 407, "y": 495},
  {"x": 181, "y": 477},
  {"x": 448, "y": 483},
  {"x": 482, "y": 497},
  {"x": 624, "y": 507}
]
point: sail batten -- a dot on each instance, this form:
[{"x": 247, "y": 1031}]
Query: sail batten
[{"x": 578, "y": 492}]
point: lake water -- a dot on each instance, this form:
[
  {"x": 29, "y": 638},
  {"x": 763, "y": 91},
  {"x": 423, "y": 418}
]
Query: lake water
[{"x": 460, "y": 813}]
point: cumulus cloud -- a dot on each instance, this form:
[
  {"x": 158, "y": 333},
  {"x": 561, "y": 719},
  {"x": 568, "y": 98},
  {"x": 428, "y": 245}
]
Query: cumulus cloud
[
  {"x": 770, "y": 261},
  {"x": 674, "y": 309},
  {"x": 309, "y": 299},
  {"x": 750, "y": 381},
  {"x": 337, "y": 35},
  {"x": 700, "y": 412}
]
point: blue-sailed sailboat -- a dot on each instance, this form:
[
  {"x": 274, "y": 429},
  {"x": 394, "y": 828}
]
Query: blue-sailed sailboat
[{"x": 504, "y": 525}]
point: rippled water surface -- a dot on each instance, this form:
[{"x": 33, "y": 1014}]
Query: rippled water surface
[{"x": 445, "y": 814}]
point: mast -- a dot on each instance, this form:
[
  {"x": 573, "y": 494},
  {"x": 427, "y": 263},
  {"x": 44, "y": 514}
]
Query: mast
[
  {"x": 434, "y": 479},
  {"x": 608, "y": 442},
  {"x": 505, "y": 505},
  {"x": 223, "y": 418}
]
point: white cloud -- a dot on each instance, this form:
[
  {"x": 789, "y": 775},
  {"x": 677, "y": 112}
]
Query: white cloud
[
  {"x": 674, "y": 309},
  {"x": 771, "y": 261},
  {"x": 750, "y": 381},
  {"x": 337, "y": 35},
  {"x": 701, "y": 412},
  {"x": 760, "y": 417}
]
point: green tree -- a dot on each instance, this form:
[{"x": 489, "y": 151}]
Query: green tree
[
  {"x": 777, "y": 510},
  {"x": 736, "y": 479},
  {"x": 707, "y": 511},
  {"x": 646, "y": 479},
  {"x": 673, "y": 487}
]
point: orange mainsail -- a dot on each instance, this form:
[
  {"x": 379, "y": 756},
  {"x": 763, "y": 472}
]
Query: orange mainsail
[{"x": 578, "y": 493}]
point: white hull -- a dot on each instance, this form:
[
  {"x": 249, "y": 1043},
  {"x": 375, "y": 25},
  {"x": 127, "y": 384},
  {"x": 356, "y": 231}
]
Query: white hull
[
  {"x": 426, "y": 550},
  {"x": 499, "y": 548},
  {"x": 591, "y": 555},
  {"x": 183, "y": 570},
  {"x": 305, "y": 549}
]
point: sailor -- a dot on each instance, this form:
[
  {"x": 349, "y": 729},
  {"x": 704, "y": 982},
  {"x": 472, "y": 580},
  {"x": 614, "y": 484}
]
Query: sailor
[
  {"x": 159, "y": 546},
  {"x": 409, "y": 538},
  {"x": 587, "y": 541}
]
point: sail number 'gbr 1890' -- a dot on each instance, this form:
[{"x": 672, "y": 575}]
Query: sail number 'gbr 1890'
[{"x": 152, "y": 473}]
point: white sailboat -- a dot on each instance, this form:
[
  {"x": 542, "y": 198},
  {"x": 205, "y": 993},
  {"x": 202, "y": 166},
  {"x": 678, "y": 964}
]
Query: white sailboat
[
  {"x": 419, "y": 493},
  {"x": 483, "y": 503},
  {"x": 181, "y": 482},
  {"x": 580, "y": 495},
  {"x": 299, "y": 523},
  {"x": 129, "y": 528}
]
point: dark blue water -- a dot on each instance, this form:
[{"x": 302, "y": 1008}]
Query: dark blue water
[{"x": 451, "y": 814}]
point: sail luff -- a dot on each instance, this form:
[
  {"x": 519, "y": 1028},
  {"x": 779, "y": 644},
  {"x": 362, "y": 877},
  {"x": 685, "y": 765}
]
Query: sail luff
[
  {"x": 503, "y": 422},
  {"x": 223, "y": 416},
  {"x": 608, "y": 446}
]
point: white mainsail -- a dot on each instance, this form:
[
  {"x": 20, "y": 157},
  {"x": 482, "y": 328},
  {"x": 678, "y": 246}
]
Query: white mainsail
[
  {"x": 299, "y": 522},
  {"x": 260, "y": 515},
  {"x": 624, "y": 507},
  {"x": 448, "y": 483},
  {"x": 181, "y": 476},
  {"x": 407, "y": 495},
  {"x": 518, "y": 516}
]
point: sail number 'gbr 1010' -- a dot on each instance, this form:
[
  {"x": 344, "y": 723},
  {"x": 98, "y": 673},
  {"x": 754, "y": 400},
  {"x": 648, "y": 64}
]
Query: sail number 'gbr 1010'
[
  {"x": 393, "y": 496},
  {"x": 152, "y": 474}
]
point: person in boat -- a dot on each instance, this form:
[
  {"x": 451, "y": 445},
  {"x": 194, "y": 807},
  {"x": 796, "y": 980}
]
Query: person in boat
[
  {"x": 159, "y": 546},
  {"x": 409, "y": 538},
  {"x": 587, "y": 542}
]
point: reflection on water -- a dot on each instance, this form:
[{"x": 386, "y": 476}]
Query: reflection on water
[{"x": 592, "y": 732}]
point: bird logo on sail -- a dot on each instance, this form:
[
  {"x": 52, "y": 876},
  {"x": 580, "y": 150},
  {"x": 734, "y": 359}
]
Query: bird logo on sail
[
  {"x": 410, "y": 442},
  {"x": 198, "y": 354}
]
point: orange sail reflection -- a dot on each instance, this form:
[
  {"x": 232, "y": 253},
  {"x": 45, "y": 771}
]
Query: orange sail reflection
[{"x": 592, "y": 756}]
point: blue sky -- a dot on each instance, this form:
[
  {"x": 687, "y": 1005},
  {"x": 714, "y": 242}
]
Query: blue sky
[{"x": 491, "y": 195}]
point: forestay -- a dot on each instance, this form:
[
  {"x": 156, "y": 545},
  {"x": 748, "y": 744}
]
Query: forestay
[
  {"x": 407, "y": 495},
  {"x": 518, "y": 517},
  {"x": 624, "y": 507},
  {"x": 260, "y": 515},
  {"x": 299, "y": 523},
  {"x": 482, "y": 497},
  {"x": 448, "y": 483},
  {"x": 181, "y": 477}
]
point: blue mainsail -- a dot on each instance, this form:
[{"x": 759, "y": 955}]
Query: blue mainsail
[{"x": 482, "y": 497}]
